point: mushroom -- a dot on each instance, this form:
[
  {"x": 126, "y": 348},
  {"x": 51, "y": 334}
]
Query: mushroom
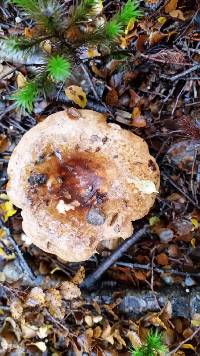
[{"x": 80, "y": 180}]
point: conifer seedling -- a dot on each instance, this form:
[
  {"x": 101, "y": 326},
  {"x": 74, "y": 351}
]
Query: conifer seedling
[{"x": 62, "y": 28}]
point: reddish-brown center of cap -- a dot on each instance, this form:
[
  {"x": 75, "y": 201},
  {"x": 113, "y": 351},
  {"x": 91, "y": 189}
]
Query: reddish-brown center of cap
[{"x": 72, "y": 177}]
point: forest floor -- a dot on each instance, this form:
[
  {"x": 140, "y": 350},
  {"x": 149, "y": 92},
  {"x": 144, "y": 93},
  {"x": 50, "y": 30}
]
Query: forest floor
[{"x": 152, "y": 88}]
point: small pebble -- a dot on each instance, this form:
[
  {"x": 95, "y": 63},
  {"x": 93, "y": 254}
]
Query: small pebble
[{"x": 166, "y": 235}]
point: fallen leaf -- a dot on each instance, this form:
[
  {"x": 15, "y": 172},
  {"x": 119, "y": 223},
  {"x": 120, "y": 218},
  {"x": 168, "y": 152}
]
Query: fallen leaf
[
  {"x": 46, "y": 46},
  {"x": 43, "y": 331},
  {"x": 155, "y": 37},
  {"x": 188, "y": 346},
  {"x": 6, "y": 208},
  {"x": 162, "y": 259},
  {"x": 77, "y": 95},
  {"x": 153, "y": 220},
  {"x": 112, "y": 97},
  {"x": 79, "y": 276},
  {"x": 4, "y": 143},
  {"x": 177, "y": 14},
  {"x": 69, "y": 291},
  {"x": 21, "y": 80},
  {"x": 40, "y": 345},
  {"x": 134, "y": 339},
  {"x": 92, "y": 52},
  {"x": 162, "y": 20},
  {"x": 16, "y": 309},
  {"x": 35, "y": 297},
  {"x": 171, "y": 5},
  {"x": 28, "y": 331}
]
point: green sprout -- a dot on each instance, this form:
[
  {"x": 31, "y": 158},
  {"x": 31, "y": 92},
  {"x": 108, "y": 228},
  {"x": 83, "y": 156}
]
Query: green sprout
[{"x": 153, "y": 346}]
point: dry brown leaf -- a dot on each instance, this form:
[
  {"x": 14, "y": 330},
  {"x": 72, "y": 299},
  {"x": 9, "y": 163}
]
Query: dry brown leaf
[
  {"x": 134, "y": 98},
  {"x": 46, "y": 46},
  {"x": 177, "y": 14},
  {"x": 5, "y": 71},
  {"x": 35, "y": 297},
  {"x": 97, "y": 331},
  {"x": 171, "y": 5},
  {"x": 4, "y": 143},
  {"x": 69, "y": 291},
  {"x": 141, "y": 276},
  {"x": 134, "y": 339},
  {"x": 118, "y": 337},
  {"x": 77, "y": 95},
  {"x": 21, "y": 80},
  {"x": 102, "y": 73},
  {"x": 107, "y": 334},
  {"x": 16, "y": 309},
  {"x": 156, "y": 37},
  {"x": 28, "y": 331},
  {"x": 79, "y": 276},
  {"x": 112, "y": 97},
  {"x": 137, "y": 119},
  {"x": 162, "y": 259}
]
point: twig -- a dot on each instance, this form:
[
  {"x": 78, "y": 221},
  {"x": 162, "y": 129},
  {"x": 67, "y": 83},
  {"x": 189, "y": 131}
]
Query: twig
[
  {"x": 171, "y": 181},
  {"x": 23, "y": 262},
  {"x": 182, "y": 74},
  {"x": 82, "y": 65},
  {"x": 184, "y": 342},
  {"x": 148, "y": 267},
  {"x": 89, "y": 81},
  {"x": 108, "y": 262}
]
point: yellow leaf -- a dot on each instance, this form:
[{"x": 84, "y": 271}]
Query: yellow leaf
[
  {"x": 7, "y": 257},
  {"x": 162, "y": 20},
  {"x": 195, "y": 223},
  {"x": 188, "y": 346},
  {"x": 195, "y": 322},
  {"x": 153, "y": 220},
  {"x": 21, "y": 80},
  {"x": 130, "y": 26},
  {"x": 193, "y": 242},
  {"x": 92, "y": 52},
  {"x": 7, "y": 210},
  {"x": 2, "y": 233},
  {"x": 77, "y": 95}
]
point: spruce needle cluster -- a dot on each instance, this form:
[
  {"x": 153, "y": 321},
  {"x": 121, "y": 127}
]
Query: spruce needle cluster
[{"x": 61, "y": 26}]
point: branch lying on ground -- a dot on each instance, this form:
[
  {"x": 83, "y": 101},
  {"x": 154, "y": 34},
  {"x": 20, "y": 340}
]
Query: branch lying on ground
[
  {"x": 135, "y": 304},
  {"x": 24, "y": 265},
  {"x": 148, "y": 267},
  {"x": 118, "y": 253},
  {"x": 171, "y": 181},
  {"x": 173, "y": 352}
]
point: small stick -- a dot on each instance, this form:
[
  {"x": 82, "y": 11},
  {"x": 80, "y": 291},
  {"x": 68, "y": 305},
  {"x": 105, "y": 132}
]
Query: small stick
[
  {"x": 148, "y": 267},
  {"x": 182, "y": 74},
  {"x": 89, "y": 81},
  {"x": 23, "y": 262},
  {"x": 173, "y": 352},
  {"x": 171, "y": 181},
  {"x": 109, "y": 261}
]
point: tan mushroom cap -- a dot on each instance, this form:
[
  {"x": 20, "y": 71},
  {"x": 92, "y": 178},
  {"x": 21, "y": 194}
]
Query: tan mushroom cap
[{"x": 78, "y": 181}]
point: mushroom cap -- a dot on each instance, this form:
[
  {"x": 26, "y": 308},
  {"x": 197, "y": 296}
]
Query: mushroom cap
[{"x": 80, "y": 180}]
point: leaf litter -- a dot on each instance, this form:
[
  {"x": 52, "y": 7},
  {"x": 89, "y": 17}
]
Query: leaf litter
[{"x": 152, "y": 89}]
